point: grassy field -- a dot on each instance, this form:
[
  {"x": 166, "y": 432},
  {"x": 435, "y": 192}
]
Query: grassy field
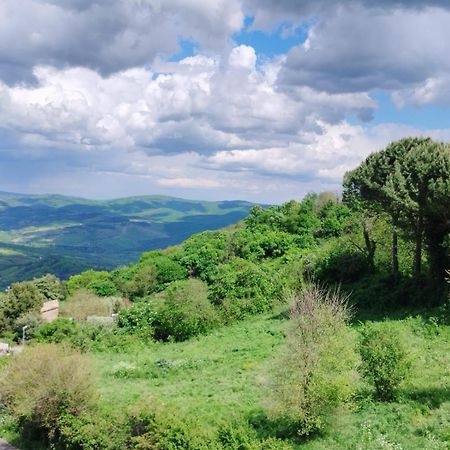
[{"x": 224, "y": 375}]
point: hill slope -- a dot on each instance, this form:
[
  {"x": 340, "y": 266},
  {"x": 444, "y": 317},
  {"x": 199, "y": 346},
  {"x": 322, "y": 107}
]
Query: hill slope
[{"x": 65, "y": 235}]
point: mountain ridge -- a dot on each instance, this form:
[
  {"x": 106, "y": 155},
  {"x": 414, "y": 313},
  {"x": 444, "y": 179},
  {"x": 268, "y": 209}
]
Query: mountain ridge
[{"x": 42, "y": 233}]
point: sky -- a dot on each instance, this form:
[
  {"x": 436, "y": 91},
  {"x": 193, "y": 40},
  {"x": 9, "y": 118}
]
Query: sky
[{"x": 259, "y": 100}]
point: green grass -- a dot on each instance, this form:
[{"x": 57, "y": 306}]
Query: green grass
[
  {"x": 223, "y": 375},
  {"x": 211, "y": 377}
]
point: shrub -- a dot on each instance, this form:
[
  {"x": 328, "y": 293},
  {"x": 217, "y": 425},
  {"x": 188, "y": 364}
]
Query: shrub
[
  {"x": 315, "y": 371},
  {"x": 336, "y": 262},
  {"x": 202, "y": 252},
  {"x": 155, "y": 427},
  {"x": 138, "y": 319},
  {"x": 51, "y": 287},
  {"x": 96, "y": 281},
  {"x": 27, "y": 297},
  {"x": 385, "y": 361},
  {"x": 184, "y": 311},
  {"x": 57, "y": 331},
  {"x": 32, "y": 320},
  {"x": 45, "y": 383},
  {"x": 246, "y": 281}
]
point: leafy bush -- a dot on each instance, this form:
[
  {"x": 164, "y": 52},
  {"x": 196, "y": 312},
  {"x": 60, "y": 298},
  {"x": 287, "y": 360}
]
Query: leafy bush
[
  {"x": 154, "y": 271},
  {"x": 336, "y": 263},
  {"x": 57, "y": 331},
  {"x": 203, "y": 252},
  {"x": 184, "y": 311},
  {"x": 98, "y": 282},
  {"x": 45, "y": 383},
  {"x": 138, "y": 320},
  {"x": 315, "y": 371},
  {"x": 180, "y": 312},
  {"x": 241, "y": 281},
  {"x": 32, "y": 320},
  {"x": 257, "y": 245},
  {"x": 51, "y": 287},
  {"x": 239, "y": 435},
  {"x": 154, "y": 427},
  {"x": 385, "y": 361}
]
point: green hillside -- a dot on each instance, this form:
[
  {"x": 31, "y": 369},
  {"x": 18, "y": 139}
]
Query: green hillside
[
  {"x": 65, "y": 235},
  {"x": 317, "y": 324}
]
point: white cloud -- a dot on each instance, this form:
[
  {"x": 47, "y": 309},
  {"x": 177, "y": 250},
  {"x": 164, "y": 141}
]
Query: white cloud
[{"x": 108, "y": 111}]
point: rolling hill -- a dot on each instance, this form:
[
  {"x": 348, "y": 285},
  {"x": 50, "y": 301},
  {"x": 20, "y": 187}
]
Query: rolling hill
[{"x": 65, "y": 235}]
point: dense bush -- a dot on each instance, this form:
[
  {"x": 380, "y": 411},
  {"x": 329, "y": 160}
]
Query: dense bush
[
  {"x": 202, "y": 252},
  {"x": 98, "y": 282},
  {"x": 315, "y": 371},
  {"x": 257, "y": 245},
  {"x": 138, "y": 320},
  {"x": 45, "y": 383},
  {"x": 243, "y": 284},
  {"x": 385, "y": 361},
  {"x": 336, "y": 262},
  {"x": 184, "y": 311},
  {"x": 154, "y": 271}
]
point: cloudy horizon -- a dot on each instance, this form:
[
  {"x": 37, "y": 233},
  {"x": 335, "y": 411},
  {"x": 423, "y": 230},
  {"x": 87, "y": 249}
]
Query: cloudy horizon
[{"x": 258, "y": 100}]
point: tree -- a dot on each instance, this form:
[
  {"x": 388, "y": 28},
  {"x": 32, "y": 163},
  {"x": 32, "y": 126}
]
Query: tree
[{"x": 410, "y": 181}]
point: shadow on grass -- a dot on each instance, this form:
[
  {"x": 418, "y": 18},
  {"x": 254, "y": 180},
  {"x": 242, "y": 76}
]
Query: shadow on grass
[
  {"x": 266, "y": 427},
  {"x": 433, "y": 398}
]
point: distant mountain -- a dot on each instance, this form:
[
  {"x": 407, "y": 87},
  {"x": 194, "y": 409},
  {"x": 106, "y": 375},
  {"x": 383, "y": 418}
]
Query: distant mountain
[{"x": 65, "y": 235}]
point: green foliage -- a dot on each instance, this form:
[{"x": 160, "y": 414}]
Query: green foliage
[
  {"x": 153, "y": 427},
  {"x": 179, "y": 313},
  {"x": 98, "y": 282},
  {"x": 336, "y": 262},
  {"x": 184, "y": 311},
  {"x": 27, "y": 297},
  {"x": 51, "y": 287},
  {"x": 257, "y": 245},
  {"x": 138, "y": 319},
  {"x": 202, "y": 252},
  {"x": 385, "y": 361},
  {"x": 315, "y": 371},
  {"x": 44, "y": 383},
  {"x": 32, "y": 320},
  {"x": 409, "y": 180},
  {"x": 243, "y": 283},
  {"x": 57, "y": 331},
  {"x": 151, "y": 274}
]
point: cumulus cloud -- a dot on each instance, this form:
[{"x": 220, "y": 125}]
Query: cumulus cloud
[
  {"x": 92, "y": 96},
  {"x": 201, "y": 106},
  {"x": 106, "y": 35}
]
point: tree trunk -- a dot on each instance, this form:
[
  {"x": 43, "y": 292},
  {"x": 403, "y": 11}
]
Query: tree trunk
[
  {"x": 370, "y": 248},
  {"x": 395, "y": 253},
  {"x": 438, "y": 256},
  {"x": 418, "y": 252}
]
